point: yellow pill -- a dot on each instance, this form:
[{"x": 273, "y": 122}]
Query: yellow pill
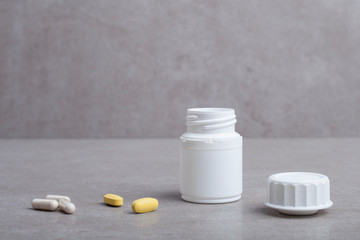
[
  {"x": 144, "y": 205},
  {"x": 113, "y": 200}
]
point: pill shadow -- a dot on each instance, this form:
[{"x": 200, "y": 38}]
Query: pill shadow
[
  {"x": 146, "y": 213},
  {"x": 276, "y": 214},
  {"x": 64, "y": 213},
  {"x": 38, "y": 210},
  {"x": 107, "y": 205}
]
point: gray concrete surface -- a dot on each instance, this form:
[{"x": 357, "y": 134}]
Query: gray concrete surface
[
  {"x": 113, "y": 68},
  {"x": 85, "y": 170}
]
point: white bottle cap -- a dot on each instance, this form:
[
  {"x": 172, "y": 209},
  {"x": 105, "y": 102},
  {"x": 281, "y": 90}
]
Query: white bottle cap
[{"x": 298, "y": 193}]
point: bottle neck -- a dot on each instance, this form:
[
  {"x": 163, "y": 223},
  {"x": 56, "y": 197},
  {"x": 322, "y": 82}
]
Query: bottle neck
[{"x": 210, "y": 120}]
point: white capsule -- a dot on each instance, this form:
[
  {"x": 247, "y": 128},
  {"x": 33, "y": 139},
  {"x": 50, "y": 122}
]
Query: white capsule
[
  {"x": 57, "y": 197},
  {"x": 45, "y": 204},
  {"x": 66, "y": 206}
]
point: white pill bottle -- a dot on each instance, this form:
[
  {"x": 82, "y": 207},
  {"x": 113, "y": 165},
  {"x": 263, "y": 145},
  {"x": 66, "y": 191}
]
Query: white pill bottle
[{"x": 211, "y": 157}]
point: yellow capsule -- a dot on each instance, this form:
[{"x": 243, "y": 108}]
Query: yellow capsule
[
  {"x": 113, "y": 200},
  {"x": 144, "y": 205}
]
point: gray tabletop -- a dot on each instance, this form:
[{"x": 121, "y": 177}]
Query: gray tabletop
[{"x": 85, "y": 170}]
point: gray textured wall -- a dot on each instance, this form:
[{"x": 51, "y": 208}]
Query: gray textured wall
[{"x": 131, "y": 68}]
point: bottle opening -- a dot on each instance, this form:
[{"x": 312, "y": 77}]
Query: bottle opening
[{"x": 211, "y": 110}]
